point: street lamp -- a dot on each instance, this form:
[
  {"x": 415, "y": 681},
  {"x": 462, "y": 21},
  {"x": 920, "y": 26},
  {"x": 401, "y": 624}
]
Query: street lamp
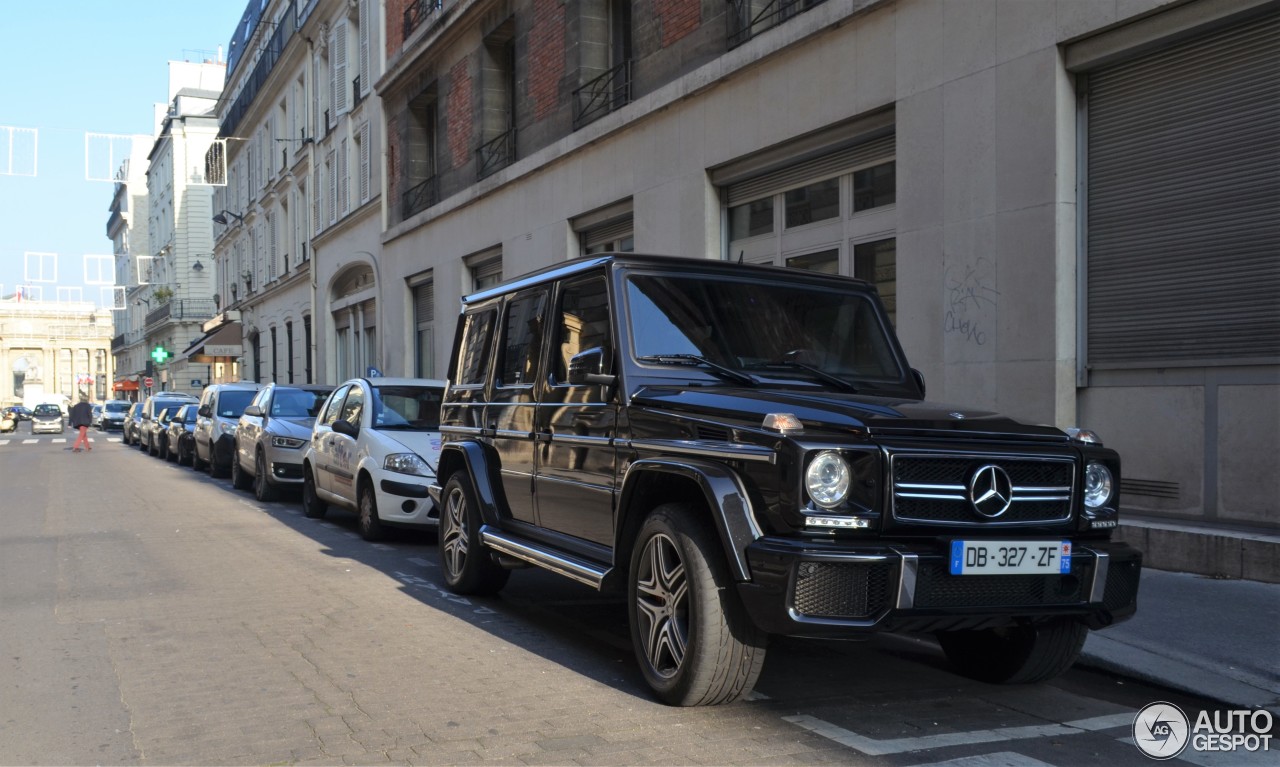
[{"x": 221, "y": 218}]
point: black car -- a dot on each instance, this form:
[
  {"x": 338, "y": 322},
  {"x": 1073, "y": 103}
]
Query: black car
[
  {"x": 745, "y": 451},
  {"x": 19, "y": 412}
]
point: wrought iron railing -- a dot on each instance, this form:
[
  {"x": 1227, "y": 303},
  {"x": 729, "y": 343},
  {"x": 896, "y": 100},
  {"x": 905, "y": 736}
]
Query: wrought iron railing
[
  {"x": 748, "y": 18},
  {"x": 603, "y": 94},
  {"x": 186, "y": 309},
  {"x": 496, "y": 154},
  {"x": 417, "y": 12},
  {"x": 421, "y": 196}
]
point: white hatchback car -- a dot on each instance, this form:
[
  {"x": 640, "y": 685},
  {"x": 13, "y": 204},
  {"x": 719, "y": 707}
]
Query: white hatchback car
[{"x": 374, "y": 450}]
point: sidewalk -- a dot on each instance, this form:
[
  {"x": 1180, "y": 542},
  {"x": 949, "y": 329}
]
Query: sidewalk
[{"x": 1216, "y": 638}]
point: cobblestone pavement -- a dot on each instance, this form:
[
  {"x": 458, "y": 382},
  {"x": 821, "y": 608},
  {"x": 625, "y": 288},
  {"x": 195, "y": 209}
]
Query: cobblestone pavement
[{"x": 155, "y": 616}]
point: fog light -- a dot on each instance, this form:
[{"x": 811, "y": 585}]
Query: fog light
[{"x": 408, "y": 506}]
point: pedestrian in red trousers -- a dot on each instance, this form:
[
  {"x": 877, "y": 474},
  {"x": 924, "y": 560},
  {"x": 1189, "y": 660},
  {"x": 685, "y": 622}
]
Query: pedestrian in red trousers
[{"x": 81, "y": 418}]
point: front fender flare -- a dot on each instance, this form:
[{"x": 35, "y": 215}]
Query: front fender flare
[
  {"x": 471, "y": 455},
  {"x": 725, "y": 497}
]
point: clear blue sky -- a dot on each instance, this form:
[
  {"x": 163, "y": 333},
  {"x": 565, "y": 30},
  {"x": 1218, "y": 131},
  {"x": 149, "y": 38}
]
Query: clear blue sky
[{"x": 77, "y": 67}]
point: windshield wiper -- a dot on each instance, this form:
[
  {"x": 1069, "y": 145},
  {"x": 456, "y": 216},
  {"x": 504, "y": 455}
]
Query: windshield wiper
[
  {"x": 816, "y": 372},
  {"x": 694, "y": 359}
]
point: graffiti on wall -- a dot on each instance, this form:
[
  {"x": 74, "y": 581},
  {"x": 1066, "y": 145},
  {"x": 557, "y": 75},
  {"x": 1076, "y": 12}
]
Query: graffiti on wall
[{"x": 971, "y": 301}]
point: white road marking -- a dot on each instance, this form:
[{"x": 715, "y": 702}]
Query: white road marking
[
  {"x": 873, "y": 747},
  {"x": 58, "y": 440},
  {"x": 30, "y": 441},
  {"x": 420, "y": 562}
]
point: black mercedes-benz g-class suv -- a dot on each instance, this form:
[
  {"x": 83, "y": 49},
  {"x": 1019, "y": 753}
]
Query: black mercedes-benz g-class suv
[{"x": 746, "y": 451}]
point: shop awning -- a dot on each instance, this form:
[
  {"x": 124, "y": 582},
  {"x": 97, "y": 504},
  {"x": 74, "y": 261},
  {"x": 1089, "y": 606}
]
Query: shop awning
[
  {"x": 125, "y": 385},
  {"x": 221, "y": 343}
]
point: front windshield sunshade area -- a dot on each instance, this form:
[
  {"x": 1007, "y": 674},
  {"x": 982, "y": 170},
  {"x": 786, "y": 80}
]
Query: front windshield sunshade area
[
  {"x": 789, "y": 331},
  {"x": 407, "y": 407},
  {"x": 297, "y": 403}
]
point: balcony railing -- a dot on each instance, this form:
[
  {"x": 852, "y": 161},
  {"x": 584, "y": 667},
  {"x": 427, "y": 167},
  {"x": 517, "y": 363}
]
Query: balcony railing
[
  {"x": 496, "y": 154},
  {"x": 417, "y": 12},
  {"x": 419, "y": 197},
  {"x": 184, "y": 310},
  {"x": 748, "y": 18},
  {"x": 602, "y": 95}
]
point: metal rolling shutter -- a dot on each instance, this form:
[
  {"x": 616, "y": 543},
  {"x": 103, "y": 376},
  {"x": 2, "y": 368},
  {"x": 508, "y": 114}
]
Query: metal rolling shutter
[
  {"x": 837, "y": 163},
  {"x": 1183, "y": 202}
]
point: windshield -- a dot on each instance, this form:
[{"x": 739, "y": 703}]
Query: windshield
[
  {"x": 231, "y": 403},
  {"x": 407, "y": 407},
  {"x": 47, "y": 410},
  {"x": 116, "y": 407},
  {"x": 765, "y": 330},
  {"x": 297, "y": 403}
]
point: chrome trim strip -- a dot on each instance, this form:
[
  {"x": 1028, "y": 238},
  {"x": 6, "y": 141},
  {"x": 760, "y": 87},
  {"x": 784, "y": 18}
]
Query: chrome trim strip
[
  {"x": 569, "y": 568},
  {"x": 1102, "y": 563},
  {"x": 580, "y": 441},
  {"x": 924, "y": 486},
  {"x": 907, "y": 582},
  {"x": 931, "y": 496},
  {"x": 723, "y": 450},
  {"x": 513, "y": 434}
]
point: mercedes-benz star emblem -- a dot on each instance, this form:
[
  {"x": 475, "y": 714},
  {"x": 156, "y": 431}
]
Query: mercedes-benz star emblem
[{"x": 990, "y": 491}]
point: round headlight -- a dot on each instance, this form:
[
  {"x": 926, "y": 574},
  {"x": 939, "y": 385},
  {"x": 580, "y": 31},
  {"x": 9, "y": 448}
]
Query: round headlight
[
  {"x": 827, "y": 479},
  {"x": 1098, "y": 484}
]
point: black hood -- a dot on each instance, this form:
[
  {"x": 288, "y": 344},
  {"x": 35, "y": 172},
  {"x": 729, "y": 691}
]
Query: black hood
[{"x": 840, "y": 413}]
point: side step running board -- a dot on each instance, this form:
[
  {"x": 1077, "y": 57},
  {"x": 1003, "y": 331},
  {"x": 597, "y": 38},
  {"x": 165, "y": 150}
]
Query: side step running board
[{"x": 557, "y": 562}]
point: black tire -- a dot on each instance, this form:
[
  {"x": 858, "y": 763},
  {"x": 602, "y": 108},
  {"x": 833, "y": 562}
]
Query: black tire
[
  {"x": 263, "y": 490},
  {"x": 166, "y": 454},
  {"x": 467, "y": 565},
  {"x": 313, "y": 507},
  {"x": 693, "y": 639},
  {"x": 371, "y": 527},
  {"x": 184, "y": 459},
  {"x": 1022, "y": 654},
  {"x": 196, "y": 463},
  {"x": 239, "y": 480},
  {"x": 144, "y": 446}
]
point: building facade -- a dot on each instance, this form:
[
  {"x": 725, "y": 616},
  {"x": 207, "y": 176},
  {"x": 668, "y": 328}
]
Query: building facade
[
  {"x": 127, "y": 228},
  {"x": 299, "y": 219},
  {"x": 54, "y": 351},
  {"x": 1004, "y": 173}
]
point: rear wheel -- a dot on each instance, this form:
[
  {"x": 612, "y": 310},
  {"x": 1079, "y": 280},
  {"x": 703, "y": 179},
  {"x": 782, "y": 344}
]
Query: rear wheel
[
  {"x": 239, "y": 480},
  {"x": 468, "y": 567},
  {"x": 694, "y": 641},
  {"x": 371, "y": 528},
  {"x": 313, "y": 506},
  {"x": 165, "y": 453},
  {"x": 1020, "y": 654},
  {"x": 263, "y": 490},
  {"x": 196, "y": 463}
]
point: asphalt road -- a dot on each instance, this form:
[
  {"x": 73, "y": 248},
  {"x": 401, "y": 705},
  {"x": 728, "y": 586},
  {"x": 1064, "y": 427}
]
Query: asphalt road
[{"x": 152, "y": 615}]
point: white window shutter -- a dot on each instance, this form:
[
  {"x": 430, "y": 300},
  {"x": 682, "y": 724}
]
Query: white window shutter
[
  {"x": 338, "y": 61},
  {"x": 344, "y": 182},
  {"x": 332, "y": 173},
  {"x": 365, "y": 162},
  {"x": 317, "y": 212},
  {"x": 366, "y": 32},
  {"x": 317, "y": 130},
  {"x": 272, "y": 250}
]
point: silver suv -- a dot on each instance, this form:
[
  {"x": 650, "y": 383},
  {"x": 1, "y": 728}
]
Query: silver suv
[
  {"x": 271, "y": 436},
  {"x": 221, "y": 406}
]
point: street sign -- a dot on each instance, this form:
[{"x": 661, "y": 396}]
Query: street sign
[
  {"x": 148, "y": 382},
  {"x": 196, "y": 383}
]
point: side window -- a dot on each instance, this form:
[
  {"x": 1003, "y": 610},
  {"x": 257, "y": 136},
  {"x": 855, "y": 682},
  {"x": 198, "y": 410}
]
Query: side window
[
  {"x": 335, "y": 407},
  {"x": 354, "y": 406},
  {"x": 583, "y": 324},
  {"x": 473, "y": 358},
  {"x": 522, "y": 339}
]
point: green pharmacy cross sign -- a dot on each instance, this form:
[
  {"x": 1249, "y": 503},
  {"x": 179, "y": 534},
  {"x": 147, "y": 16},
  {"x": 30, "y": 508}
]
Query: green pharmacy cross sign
[{"x": 160, "y": 355}]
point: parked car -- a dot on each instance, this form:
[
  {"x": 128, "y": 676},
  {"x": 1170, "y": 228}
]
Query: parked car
[
  {"x": 46, "y": 418},
  {"x": 132, "y": 424},
  {"x": 180, "y": 442},
  {"x": 221, "y": 406},
  {"x": 96, "y": 418},
  {"x": 271, "y": 435},
  {"x": 746, "y": 451},
  {"x": 157, "y": 431},
  {"x": 150, "y": 428},
  {"x": 373, "y": 450},
  {"x": 113, "y": 415}
]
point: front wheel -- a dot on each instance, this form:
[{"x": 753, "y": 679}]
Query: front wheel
[
  {"x": 263, "y": 490},
  {"x": 313, "y": 507},
  {"x": 694, "y": 641},
  {"x": 1021, "y": 654},
  {"x": 239, "y": 480},
  {"x": 371, "y": 528},
  {"x": 467, "y": 566}
]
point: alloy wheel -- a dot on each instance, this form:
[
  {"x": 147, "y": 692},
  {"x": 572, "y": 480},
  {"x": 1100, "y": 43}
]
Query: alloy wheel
[{"x": 662, "y": 605}]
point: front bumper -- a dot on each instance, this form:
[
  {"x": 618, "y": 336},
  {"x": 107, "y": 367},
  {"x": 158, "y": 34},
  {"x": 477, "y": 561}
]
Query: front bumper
[
  {"x": 46, "y": 427},
  {"x": 820, "y": 589},
  {"x": 403, "y": 499}
]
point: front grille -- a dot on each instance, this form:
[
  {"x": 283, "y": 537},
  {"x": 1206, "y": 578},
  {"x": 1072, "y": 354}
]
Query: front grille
[
  {"x": 842, "y": 589},
  {"x": 936, "y": 587},
  {"x": 934, "y": 489}
]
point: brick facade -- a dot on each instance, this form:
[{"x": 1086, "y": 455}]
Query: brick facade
[
  {"x": 395, "y": 26},
  {"x": 460, "y": 117},
  {"x": 546, "y": 56},
  {"x": 676, "y": 19}
]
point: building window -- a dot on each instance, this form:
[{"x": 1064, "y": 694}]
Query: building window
[
  {"x": 826, "y": 262},
  {"x": 288, "y": 342},
  {"x": 422, "y": 189},
  {"x": 813, "y": 202},
  {"x": 497, "y": 101},
  {"x": 306, "y": 341},
  {"x": 606, "y": 230},
  {"x": 275, "y": 356},
  {"x": 605, "y": 68},
  {"x": 751, "y": 219},
  {"x": 255, "y": 343},
  {"x": 875, "y": 187},
  {"x": 424, "y": 325},
  {"x": 485, "y": 271},
  {"x": 877, "y": 263}
]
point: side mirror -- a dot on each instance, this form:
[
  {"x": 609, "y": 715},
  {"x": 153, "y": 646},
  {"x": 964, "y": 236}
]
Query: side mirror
[
  {"x": 916, "y": 374},
  {"x": 587, "y": 367},
  {"x": 205, "y": 411},
  {"x": 346, "y": 427},
  {"x": 253, "y": 411}
]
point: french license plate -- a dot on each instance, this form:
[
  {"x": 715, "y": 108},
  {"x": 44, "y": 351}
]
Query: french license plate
[{"x": 1010, "y": 557}]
